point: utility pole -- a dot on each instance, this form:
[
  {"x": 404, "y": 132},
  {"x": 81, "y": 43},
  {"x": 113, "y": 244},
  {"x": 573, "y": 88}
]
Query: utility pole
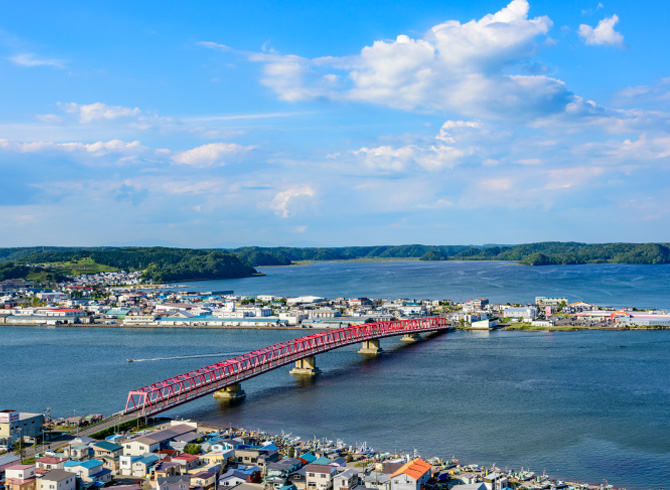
[{"x": 21, "y": 444}]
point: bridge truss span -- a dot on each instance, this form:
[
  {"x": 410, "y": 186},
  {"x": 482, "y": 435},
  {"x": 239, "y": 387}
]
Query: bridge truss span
[{"x": 172, "y": 392}]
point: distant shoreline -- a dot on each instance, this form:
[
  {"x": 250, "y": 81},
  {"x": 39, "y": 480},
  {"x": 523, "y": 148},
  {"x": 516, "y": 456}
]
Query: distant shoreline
[{"x": 566, "y": 328}]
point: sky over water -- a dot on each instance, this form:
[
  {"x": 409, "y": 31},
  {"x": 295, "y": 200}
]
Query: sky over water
[{"x": 333, "y": 123}]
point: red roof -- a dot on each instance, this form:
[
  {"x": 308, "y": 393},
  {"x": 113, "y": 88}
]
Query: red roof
[
  {"x": 51, "y": 460},
  {"x": 60, "y": 310},
  {"x": 185, "y": 457},
  {"x": 414, "y": 469}
]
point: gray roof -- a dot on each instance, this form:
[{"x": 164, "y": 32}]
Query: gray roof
[
  {"x": 8, "y": 459},
  {"x": 57, "y": 475},
  {"x": 188, "y": 437},
  {"x": 174, "y": 479},
  {"x": 165, "y": 434}
]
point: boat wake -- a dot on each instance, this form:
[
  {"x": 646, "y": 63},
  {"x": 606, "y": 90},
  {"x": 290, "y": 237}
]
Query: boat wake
[{"x": 224, "y": 355}]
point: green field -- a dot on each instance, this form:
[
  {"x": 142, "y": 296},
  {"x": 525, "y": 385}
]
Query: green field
[{"x": 84, "y": 265}]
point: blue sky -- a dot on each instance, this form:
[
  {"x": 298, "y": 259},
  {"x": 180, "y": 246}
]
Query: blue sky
[{"x": 207, "y": 124}]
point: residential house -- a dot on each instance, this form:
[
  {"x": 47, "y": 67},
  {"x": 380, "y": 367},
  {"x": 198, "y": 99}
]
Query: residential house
[
  {"x": 256, "y": 455},
  {"x": 20, "y": 477},
  {"x": 346, "y": 480},
  {"x": 218, "y": 457},
  {"x": 58, "y": 480},
  {"x": 126, "y": 464},
  {"x": 108, "y": 453},
  {"x": 48, "y": 463},
  {"x": 222, "y": 445},
  {"x": 299, "y": 478},
  {"x": 378, "y": 481},
  {"x": 174, "y": 482},
  {"x": 277, "y": 472},
  {"x": 163, "y": 469},
  {"x": 319, "y": 476},
  {"x": 142, "y": 467},
  {"x": 187, "y": 461},
  {"x": 204, "y": 479},
  {"x": 77, "y": 451},
  {"x": 154, "y": 441},
  {"x": 88, "y": 471},
  {"x": 249, "y": 474},
  {"x": 413, "y": 475},
  {"x": 495, "y": 480}
]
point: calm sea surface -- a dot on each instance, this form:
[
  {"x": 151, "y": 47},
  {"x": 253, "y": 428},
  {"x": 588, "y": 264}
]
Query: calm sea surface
[
  {"x": 611, "y": 284},
  {"x": 584, "y": 405}
]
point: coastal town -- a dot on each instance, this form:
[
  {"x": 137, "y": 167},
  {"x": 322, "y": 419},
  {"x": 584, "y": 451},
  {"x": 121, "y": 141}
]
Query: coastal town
[
  {"x": 118, "y": 299},
  {"x": 186, "y": 455}
]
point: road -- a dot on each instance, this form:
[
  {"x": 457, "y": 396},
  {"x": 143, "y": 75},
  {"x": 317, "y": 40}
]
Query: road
[{"x": 62, "y": 441}]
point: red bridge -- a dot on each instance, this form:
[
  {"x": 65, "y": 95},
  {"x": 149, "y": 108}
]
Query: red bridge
[{"x": 225, "y": 376}]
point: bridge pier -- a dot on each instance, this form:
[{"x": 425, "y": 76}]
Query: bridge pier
[
  {"x": 306, "y": 366},
  {"x": 371, "y": 347},
  {"x": 411, "y": 337},
  {"x": 232, "y": 392}
]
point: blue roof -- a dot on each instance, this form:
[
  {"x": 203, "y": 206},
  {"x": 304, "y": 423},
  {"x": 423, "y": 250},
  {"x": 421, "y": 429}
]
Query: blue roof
[
  {"x": 91, "y": 463},
  {"x": 322, "y": 460},
  {"x": 148, "y": 459},
  {"x": 309, "y": 457}
]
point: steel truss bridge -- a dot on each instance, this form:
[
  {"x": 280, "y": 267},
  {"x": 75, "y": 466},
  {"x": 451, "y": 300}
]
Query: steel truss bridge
[{"x": 172, "y": 392}]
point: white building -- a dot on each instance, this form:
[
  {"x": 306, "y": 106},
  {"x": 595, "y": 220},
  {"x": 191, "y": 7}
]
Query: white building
[
  {"x": 58, "y": 480},
  {"x": 525, "y": 312},
  {"x": 411, "y": 476}
]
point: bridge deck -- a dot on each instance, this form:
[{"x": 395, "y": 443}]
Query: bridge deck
[{"x": 175, "y": 391}]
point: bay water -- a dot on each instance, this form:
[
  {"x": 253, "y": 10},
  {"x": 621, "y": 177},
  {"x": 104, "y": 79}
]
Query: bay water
[{"x": 586, "y": 405}]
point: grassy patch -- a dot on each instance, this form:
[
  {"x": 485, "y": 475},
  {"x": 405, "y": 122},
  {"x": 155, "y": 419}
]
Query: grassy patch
[
  {"x": 85, "y": 265},
  {"x": 130, "y": 425}
]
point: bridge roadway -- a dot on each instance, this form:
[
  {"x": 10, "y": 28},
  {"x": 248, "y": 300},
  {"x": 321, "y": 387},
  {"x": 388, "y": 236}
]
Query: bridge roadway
[{"x": 172, "y": 392}]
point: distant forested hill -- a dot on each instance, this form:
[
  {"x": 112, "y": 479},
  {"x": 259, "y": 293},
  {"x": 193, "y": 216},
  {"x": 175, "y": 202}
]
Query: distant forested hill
[
  {"x": 158, "y": 263},
  {"x": 179, "y": 264},
  {"x": 542, "y": 253}
]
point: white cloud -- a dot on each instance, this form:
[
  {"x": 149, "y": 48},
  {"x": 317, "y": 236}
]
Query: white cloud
[
  {"x": 285, "y": 202},
  {"x": 212, "y": 45},
  {"x": 465, "y": 68},
  {"x": 31, "y": 60},
  {"x": 441, "y": 154},
  {"x": 566, "y": 178},
  {"x": 98, "y": 110},
  {"x": 210, "y": 154},
  {"x": 603, "y": 34},
  {"x": 49, "y": 118},
  {"x": 387, "y": 157},
  {"x": 96, "y": 149}
]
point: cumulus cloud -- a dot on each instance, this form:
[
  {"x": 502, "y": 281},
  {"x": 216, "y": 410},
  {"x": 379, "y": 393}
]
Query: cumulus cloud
[
  {"x": 92, "y": 112},
  {"x": 464, "y": 68},
  {"x": 442, "y": 153},
  {"x": 32, "y": 60},
  {"x": 603, "y": 34},
  {"x": 210, "y": 154},
  {"x": 284, "y": 203}
]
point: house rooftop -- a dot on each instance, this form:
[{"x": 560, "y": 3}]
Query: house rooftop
[
  {"x": 107, "y": 446},
  {"x": 414, "y": 469},
  {"x": 57, "y": 475}
]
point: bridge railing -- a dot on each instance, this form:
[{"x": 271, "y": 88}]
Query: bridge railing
[{"x": 177, "y": 390}]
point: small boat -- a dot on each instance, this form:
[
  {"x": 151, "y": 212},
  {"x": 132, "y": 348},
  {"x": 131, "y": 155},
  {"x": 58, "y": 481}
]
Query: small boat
[{"x": 130, "y": 360}]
